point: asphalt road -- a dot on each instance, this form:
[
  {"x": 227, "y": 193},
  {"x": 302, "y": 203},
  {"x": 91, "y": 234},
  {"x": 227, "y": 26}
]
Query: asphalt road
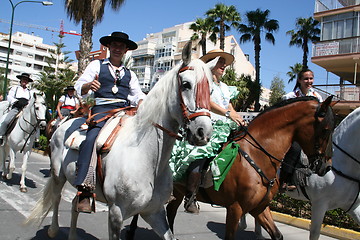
[{"x": 15, "y": 207}]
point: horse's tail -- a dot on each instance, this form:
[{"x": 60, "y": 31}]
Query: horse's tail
[{"x": 43, "y": 205}]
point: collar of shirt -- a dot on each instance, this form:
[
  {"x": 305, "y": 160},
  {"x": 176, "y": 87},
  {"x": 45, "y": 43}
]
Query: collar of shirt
[
  {"x": 113, "y": 69},
  {"x": 299, "y": 93}
]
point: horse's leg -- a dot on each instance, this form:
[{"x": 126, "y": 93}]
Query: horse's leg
[
  {"x": 317, "y": 217},
  {"x": 3, "y": 159},
  {"x": 74, "y": 218},
  {"x": 172, "y": 207},
  {"x": 130, "y": 234},
  {"x": 11, "y": 166},
  {"x": 233, "y": 214},
  {"x": 115, "y": 221},
  {"x": 56, "y": 197},
  {"x": 243, "y": 226},
  {"x": 159, "y": 224},
  {"x": 267, "y": 222},
  {"x": 242, "y": 223},
  {"x": 23, "y": 170}
]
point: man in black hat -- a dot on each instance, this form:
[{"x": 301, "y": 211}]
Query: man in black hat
[
  {"x": 113, "y": 86},
  {"x": 68, "y": 104},
  {"x": 18, "y": 97}
]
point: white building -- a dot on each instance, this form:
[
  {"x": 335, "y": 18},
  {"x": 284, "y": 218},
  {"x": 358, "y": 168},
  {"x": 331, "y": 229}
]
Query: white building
[
  {"x": 159, "y": 52},
  {"x": 28, "y": 54}
]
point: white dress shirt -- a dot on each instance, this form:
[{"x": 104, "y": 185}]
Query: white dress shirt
[{"x": 93, "y": 69}]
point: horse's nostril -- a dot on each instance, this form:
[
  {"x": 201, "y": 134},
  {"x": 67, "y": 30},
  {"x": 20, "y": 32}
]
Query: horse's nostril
[{"x": 200, "y": 132}]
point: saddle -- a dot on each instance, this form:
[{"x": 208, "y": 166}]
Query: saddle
[
  {"x": 106, "y": 136},
  {"x": 12, "y": 123}
]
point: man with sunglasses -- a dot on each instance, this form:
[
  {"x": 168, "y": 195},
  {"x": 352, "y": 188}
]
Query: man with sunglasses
[{"x": 113, "y": 86}]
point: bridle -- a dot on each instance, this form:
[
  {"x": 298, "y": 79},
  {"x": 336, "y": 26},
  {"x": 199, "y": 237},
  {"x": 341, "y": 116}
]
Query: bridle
[
  {"x": 318, "y": 156},
  {"x": 34, "y": 126},
  {"x": 202, "y": 98},
  {"x": 202, "y": 101}
]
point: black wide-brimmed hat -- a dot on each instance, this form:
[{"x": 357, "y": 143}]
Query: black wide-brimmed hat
[
  {"x": 68, "y": 88},
  {"x": 118, "y": 37},
  {"x": 25, "y": 75}
]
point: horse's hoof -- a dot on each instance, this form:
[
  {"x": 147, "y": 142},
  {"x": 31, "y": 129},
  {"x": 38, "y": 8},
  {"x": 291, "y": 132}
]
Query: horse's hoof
[
  {"x": 52, "y": 232},
  {"x": 23, "y": 189}
]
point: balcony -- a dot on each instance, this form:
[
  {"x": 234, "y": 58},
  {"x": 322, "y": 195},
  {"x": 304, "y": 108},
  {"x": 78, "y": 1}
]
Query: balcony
[
  {"x": 336, "y": 47},
  {"x": 326, "y": 5}
]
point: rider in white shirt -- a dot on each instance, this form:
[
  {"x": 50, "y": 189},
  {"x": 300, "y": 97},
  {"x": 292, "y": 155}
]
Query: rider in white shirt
[{"x": 18, "y": 97}]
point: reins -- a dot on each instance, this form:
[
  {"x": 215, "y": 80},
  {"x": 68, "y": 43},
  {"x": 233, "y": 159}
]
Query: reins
[
  {"x": 340, "y": 173},
  {"x": 34, "y": 126}
]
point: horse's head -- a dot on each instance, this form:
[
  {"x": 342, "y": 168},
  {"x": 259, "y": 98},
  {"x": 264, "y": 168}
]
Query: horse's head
[
  {"x": 321, "y": 129},
  {"x": 40, "y": 109},
  {"x": 194, "y": 94}
]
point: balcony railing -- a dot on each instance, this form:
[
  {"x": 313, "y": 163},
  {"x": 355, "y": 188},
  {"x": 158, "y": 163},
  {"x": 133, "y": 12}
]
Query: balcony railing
[
  {"x": 335, "y": 47},
  {"x": 345, "y": 92},
  {"x": 325, "y": 5}
]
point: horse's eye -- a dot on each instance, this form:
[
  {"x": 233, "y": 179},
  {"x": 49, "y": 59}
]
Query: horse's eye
[{"x": 186, "y": 85}]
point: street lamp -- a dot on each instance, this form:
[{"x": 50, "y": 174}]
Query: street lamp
[{"x": 13, "y": 6}]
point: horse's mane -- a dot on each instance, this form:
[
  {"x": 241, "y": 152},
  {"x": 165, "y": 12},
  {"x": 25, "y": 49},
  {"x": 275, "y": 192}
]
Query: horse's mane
[
  {"x": 286, "y": 103},
  {"x": 165, "y": 92}
]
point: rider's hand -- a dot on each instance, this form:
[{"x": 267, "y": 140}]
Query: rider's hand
[{"x": 237, "y": 118}]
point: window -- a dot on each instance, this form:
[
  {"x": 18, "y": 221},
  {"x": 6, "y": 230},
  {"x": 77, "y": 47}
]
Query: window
[
  {"x": 28, "y": 64},
  {"x": 18, "y": 53},
  {"x": 38, "y": 67},
  {"x": 340, "y": 26},
  {"x": 30, "y": 55}
]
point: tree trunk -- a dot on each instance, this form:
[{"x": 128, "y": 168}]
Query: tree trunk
[
  {"x": 305, "y": 55},
  {"x": 257, "y": 48},
  {"x": 86, "y": 43},
  {"x": 222, "y": 36},
  {"x": 203, "y": 44}
]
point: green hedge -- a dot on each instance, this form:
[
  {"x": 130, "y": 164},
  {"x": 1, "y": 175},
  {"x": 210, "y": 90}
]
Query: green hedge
[{"x": 297, "y": 208}]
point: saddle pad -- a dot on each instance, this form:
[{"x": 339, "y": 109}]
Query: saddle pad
[
  {"x": 108, "y": 128},
  {"x": 221, "y": 165},
  {"x": 79, "y": 135},
  {"x": 76, "y": 138}
]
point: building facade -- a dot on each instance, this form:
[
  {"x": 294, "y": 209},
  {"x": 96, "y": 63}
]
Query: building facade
[
  {"x": 159, "y": 52},
  {"x": 338, "y": 50},
  {"x": 28, "y": 54}
]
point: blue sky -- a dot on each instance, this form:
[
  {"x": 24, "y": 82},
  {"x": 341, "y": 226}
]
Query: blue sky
[{"x": 140, "y": 17}]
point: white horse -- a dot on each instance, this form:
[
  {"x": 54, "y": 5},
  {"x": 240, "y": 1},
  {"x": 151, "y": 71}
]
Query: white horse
[
  {"x": 22, "y": 137},
  {"x": 338, "y": 188},
  {"x": 136, "y": 170}
]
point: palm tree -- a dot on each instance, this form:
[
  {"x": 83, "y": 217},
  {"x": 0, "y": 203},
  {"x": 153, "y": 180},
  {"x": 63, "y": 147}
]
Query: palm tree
[
  {"x": 258, "y": 22},
  {"x": 221, "y": 15},
  {"x": 294, "y": 71},
  {"x": 306, "y": 31},
  {"x": 202, "y": 27},
  {"x": 89, "y": 13}
]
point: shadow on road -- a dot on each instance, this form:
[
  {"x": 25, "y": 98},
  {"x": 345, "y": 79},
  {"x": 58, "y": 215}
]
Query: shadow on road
[
  {"x": 62, "y": 234},
  {"x": 15, "y": 180}
]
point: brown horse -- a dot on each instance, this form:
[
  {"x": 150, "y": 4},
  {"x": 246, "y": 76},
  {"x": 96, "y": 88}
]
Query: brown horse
[{"x": 252, "y": 180}]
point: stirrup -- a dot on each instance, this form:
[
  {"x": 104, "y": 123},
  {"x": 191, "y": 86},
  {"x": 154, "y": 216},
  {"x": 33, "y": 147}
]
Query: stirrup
[{"x": 83, "y": 205}]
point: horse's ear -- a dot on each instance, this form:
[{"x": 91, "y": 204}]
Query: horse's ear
[
  {"x": 186, "y": 53},
  {"x": 325, "y": 105}
]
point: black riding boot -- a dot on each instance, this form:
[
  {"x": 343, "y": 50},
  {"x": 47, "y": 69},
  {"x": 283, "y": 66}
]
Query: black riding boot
[{"x": 192, "y": 185}]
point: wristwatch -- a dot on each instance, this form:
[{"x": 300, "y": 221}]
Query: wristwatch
[{"x": 227, "y": 114}]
